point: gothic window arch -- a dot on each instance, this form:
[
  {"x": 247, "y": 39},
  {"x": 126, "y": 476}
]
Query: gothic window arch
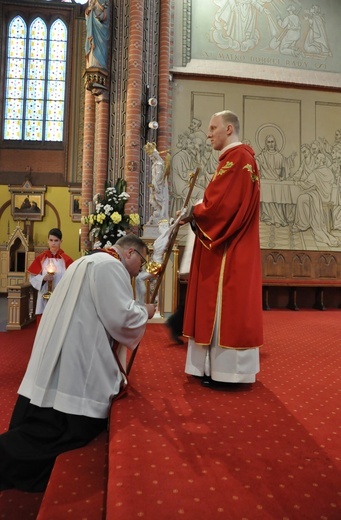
[{"x": 35, "y": 79}]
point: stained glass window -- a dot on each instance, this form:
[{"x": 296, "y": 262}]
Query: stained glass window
[{"x": 35, "y": 80}]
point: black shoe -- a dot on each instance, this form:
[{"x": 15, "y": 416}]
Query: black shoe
[
  {"x": 210, "y": 383},
  {"x": 175, "y": 337}
]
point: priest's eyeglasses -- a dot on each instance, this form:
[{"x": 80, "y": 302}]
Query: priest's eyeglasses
[{"x": 143, "y": 260}]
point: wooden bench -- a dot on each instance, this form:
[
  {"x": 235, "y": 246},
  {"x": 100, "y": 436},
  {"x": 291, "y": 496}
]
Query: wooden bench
[
  {"x": 294, "y": 271},
  {"x": 297, "y": 271},
  {"x": 294, "y": 285}
]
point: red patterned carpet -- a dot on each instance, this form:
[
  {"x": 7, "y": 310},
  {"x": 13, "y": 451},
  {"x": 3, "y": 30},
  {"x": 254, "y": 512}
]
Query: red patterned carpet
[
  {"x": 269, "y": 451},
  {"x": 15, "y": 349}
]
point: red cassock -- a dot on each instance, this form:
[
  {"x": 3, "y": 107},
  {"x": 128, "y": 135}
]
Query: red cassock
[{"x": 226, "y": 255}]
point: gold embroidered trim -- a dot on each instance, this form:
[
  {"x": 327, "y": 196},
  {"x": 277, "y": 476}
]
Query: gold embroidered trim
[
  {"x": 224, "y": 169},
  {"x": 254, "y": 176}
]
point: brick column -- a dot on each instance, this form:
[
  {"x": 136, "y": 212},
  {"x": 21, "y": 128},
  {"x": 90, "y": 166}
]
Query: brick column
[
  {"x": 101, "y": 141},
  {"x": 164, "y": 109},
  {"x": 134, "y": 100},
  {"x": 88, "y": 162}
]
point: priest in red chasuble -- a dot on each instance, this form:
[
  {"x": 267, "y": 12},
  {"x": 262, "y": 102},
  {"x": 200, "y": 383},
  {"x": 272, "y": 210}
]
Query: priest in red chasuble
[{"x": 223, "y": 311}]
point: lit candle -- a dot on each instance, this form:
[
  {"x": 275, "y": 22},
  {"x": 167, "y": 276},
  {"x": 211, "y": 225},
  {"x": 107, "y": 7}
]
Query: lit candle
[{"x": 51, "y": 268}]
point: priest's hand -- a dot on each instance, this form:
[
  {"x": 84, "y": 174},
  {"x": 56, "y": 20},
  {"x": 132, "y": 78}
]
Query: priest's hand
[
  {"x": 151, "y": 308},
  {"x": 48, "y": 277}
]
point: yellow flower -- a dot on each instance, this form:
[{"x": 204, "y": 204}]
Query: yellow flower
[
  {"x": 116, "y": 217},
  {"x": 100, "y": 218},
  {"x": 134, "y": 219},
  {"x": 108, "y": 222}
]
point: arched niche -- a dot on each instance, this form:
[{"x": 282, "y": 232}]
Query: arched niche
[{"x": 15, "y": 259}]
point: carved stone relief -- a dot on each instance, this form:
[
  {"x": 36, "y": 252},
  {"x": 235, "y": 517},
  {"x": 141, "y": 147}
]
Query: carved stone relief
[
  {"x": 237, "y": 37},
  {"x": 300, "y": 166}
]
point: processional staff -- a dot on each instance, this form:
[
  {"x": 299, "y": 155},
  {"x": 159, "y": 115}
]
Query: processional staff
[{"x": 155, "y": 268}]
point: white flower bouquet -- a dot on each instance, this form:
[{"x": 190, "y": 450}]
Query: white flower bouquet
[{"x": 109, "y": 222}]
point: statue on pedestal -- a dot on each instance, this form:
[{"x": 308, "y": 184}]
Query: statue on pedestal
[
  {"x": 159, "y": 195},
  {"x": 97, "y": 33}
]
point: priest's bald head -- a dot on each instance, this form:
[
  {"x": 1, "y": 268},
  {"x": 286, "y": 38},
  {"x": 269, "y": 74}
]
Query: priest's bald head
[{"x": 223, "y": 129}]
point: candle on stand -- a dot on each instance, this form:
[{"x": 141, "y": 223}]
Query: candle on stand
[{"x": 51, "y": 269}]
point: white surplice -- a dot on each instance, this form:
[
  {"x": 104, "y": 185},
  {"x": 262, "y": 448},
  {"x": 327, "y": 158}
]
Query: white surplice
[{"x": 72, "y": 366}]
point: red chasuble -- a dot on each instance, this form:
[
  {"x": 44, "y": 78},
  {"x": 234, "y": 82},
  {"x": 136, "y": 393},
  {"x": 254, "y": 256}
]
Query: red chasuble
[{"x": 226, "y": 256}]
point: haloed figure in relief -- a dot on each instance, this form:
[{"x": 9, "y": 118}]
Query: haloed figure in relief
[
  {"x": 235, "y": 25},
  {"x": 274, "y": 166},
  {"x": 305, "y": 200}
]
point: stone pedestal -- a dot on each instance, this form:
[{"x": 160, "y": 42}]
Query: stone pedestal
[{"x": 150, "y": 232}]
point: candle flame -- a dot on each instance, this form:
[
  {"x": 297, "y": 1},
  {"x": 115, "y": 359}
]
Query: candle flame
[{"x": 51, "y": 268}]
